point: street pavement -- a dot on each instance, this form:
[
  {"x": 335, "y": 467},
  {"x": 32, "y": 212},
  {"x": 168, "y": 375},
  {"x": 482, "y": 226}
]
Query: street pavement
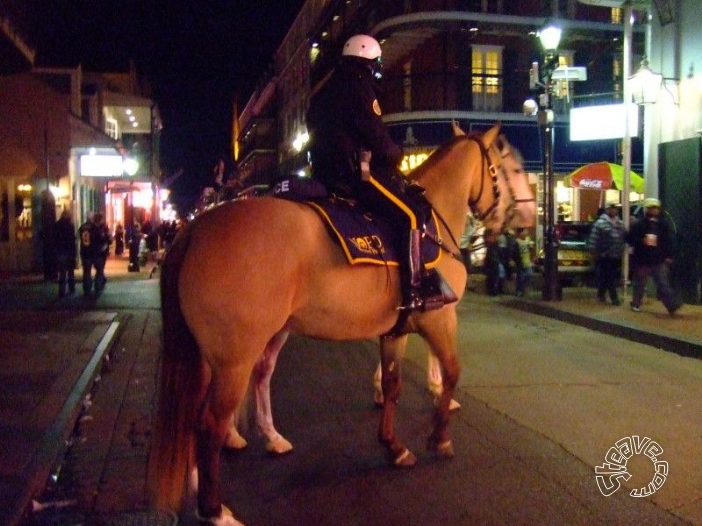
[{"x": 78, "y": 379}]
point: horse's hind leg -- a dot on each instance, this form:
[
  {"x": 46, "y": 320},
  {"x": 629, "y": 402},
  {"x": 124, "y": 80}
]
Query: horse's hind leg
[
  {"x": 442, "y": 343},
  {"x": 435, "y": 381},
  {"x": 276, "y": 443},
  {"x": 226, "y": 391},
  {"x": 391, "y": 353}
]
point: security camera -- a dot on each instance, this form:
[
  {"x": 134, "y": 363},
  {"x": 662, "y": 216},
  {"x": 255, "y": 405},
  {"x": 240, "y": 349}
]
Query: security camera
[{"x": 530, "y": 107}]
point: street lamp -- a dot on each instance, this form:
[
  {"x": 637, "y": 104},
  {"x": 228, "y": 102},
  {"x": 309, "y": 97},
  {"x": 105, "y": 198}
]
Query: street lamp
[
  {"x": 645, "y": 84},
  {"x": 550, "y": 36}
]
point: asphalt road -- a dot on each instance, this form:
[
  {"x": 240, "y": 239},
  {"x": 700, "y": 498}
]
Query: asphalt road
[{"x": 543, "y": 403}]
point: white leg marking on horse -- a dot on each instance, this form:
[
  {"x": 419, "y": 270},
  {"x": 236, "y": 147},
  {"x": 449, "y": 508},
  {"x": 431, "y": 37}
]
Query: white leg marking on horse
[
  {"x": 278, "y": 445},
  {"x": 225, "y": 518},
  {"x": 192, "y": 481}
]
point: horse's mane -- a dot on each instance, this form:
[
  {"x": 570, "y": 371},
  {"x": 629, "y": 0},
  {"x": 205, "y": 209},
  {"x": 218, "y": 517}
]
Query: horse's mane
[{"x": 438, "y": 155}]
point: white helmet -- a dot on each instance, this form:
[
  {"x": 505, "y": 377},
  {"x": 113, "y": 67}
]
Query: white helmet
[{"x": 362, "y": 46}]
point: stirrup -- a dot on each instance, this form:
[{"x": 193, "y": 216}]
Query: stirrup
[
  {"x": 436, "y": 291},
  {"x": 413, "y": 301}
]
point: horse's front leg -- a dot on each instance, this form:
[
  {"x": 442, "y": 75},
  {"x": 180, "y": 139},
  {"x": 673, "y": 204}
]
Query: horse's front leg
[
  {"x": 263, "y": 371},
  {"x": 391, "y": 353},
  {"x": 434, "y": 382}
]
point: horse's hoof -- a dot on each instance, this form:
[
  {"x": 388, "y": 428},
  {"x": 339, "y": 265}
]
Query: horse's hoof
[
  {"x": 443, "y": 449},
  {"x": 453, "y": 405},
  {"x": 405, "y": 459},
  {"x": 225, "y": 518},
  {"x": 278, "y": 446},
  {"x": 235, "y": 441}
]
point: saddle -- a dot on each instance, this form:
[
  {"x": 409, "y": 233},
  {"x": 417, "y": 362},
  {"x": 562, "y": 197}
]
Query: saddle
[{"x": 363, "y": 237}]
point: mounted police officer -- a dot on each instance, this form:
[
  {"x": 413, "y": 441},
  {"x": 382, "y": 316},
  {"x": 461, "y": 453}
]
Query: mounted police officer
[{"x": 354, "y": 156}]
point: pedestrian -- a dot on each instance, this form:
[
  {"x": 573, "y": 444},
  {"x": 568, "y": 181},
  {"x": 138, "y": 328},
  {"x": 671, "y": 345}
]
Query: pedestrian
[
  {"x": 506, "y": 248},
  {"x": 494, "y": 268},
  {"x": 606, "y": 244},
  {"x": 65, "y": 245},
  {"x": 103, "y": 241},
  {"x": 119, "y": 239},
  {"x": 524, "y": 261},
  {"x": 88, "y": 252},
  {"x": 354, "y": 156},
  {"x": 94, "y": 247},
  {"x": 134, "y": 239},
  {"x": 652, "y": 256}
]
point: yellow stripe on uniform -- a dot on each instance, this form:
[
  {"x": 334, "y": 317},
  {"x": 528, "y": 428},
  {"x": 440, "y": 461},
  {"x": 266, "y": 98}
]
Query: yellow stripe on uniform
[{"x": 402, "y": 206}]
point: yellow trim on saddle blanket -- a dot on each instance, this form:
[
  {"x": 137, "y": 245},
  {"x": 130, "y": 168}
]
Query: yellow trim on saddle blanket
[{"x": 368, "y": 243}]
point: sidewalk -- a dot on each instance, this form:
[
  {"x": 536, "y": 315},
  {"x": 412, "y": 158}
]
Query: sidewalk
[
  {"x": 54, "y": 355},
  {"x": 681, "y": 333},
  {"x": 55, "y": 352}
]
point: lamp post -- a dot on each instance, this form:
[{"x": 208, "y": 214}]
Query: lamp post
[{"x": 550, "y": 36}]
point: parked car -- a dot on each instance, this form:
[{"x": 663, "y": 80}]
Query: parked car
[{"x": 574, "y": 261}]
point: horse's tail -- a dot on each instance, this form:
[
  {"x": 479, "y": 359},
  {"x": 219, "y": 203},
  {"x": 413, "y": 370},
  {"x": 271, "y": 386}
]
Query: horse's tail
[{"x": 180, "y": 387}]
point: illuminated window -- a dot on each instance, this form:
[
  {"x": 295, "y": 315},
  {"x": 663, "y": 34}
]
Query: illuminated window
[
  {"x": 111, "y": 128},
  {"x": 616, "y": 15},
  {"x": 487, "y": 78}
]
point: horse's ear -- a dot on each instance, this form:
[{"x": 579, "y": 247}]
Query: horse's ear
[
  {"x": 457, "y": 131},
  {"x": 489, "y": 136}
]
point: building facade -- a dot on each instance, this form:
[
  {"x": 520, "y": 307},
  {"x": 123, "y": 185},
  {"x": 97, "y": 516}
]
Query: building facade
[
  {"x": 67, "y": 134},
  {"x": 459, "y": 60}
]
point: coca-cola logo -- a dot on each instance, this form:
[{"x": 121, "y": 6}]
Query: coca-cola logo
[{"x": 590, "y": 183}]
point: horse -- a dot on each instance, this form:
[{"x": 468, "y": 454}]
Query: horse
[
  {"x": 275, "y": 443},
  {"x": 243, "y": 275}
]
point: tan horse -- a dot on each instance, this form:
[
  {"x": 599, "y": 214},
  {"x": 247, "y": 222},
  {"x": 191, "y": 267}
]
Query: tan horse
[
  {"x": 277, "y": 444},
  {"x": 242, "y": 276}
]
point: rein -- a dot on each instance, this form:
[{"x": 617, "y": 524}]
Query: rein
[{"x": 440, "y": 242}]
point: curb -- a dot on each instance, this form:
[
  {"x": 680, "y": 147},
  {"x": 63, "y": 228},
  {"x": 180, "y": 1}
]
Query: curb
[
  {"x": 55, "y": 442},
  {"x": 673, "y": 344}
]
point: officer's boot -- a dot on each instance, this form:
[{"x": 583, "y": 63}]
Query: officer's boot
[{"x": 412, "y": 283}]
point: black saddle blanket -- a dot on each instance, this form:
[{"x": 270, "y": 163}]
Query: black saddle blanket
[{"x": 363, "y": 237}]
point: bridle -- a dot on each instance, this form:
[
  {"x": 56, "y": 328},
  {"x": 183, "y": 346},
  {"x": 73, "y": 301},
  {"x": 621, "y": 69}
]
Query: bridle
[{"x": 492, "y": 169}]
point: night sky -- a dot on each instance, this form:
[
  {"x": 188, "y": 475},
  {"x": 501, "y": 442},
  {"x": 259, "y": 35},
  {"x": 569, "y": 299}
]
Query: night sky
[{"x": 197, "y": 54}]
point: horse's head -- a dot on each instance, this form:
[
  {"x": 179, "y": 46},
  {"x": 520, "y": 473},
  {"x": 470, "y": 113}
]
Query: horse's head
[
  {"x": 522, "y": 211},
  {"x": 480, "y": 172},
  {"x": 503, "y": 198}
]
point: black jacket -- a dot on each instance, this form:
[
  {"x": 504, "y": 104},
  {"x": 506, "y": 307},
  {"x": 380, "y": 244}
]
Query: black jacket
[
  {"x": 65, "y": 237},
  {"x": 345, "y": 116},
  {"x": 651, "y": 240}
]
